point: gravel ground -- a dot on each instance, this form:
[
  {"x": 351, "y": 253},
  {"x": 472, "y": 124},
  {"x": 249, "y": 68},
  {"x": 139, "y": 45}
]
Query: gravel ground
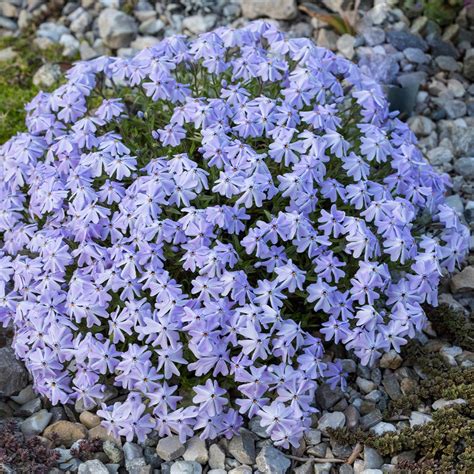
[{"x": 428, "y": 73}]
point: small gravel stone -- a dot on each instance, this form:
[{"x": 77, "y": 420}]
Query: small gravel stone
[
  {"x": 24, "y": 396},
  {"x": 365, "y": 385},
  {"x": 463, "y": 281},
  {"x": 331, "y": 420},
  {"x": 35, "y": 424},
  {"x": 151, "y": 27},
  {"x": 186, "y": 467},
  {"x": 392, "y": 386},
  {"x": 241, "y": 470},
  {"x": 272, "y": 461},
  {"x": 391, "y": 360},
  {"x": 441, "y": 157},
  {"x": 276, "y": 9},
  {"x": 216, "y": 457},
  {"x": 132, "y": 451},
  {"x": 381, "y": 428},
  {"x": 352, "y": 417},
  {"x": 65, "y": 432},
  {"x": 447, "y": 63},
  {"x": 455, "y": 108},
  {"x": 403, "y": 39},
  {"x": 196, "y": 450},
  {"x": 468, "y": 65},
  {"x": 322, "y": 468},
  {"x": 28, "y": 408},
  {"x": 52, "y": 31},
  {"x": 371, "y": 419},
  {"x": 312, "y": 437},
  {"x": 416, "y": 55},
  {"x": 442, "y": 403},
  {"x": 47, "y": 75},
  {"x": 372, "y": 459},
  {"x": 13, "y": 375},
  {"x": 198, "y": 24},
  {"x": 101, "y": 433},
  {"x": 306, "y": 468},
  {"x": 327, "y": 38},
  {"x": 113, "y": 452},
  {"x": 116, "y": 28},
  {"x": 170, "y": 448},
  {"x": 242, "y": 447},
  {"x": 8, "y": 54},
  {"x": 345, "y": 44},
  {"x": 421, "y": 125},
  {"x": 93, "y": 466},
  {"x": 326, "y": 397},
  {"x": 417, "y": 418},
  {"x": 89, "y": 420},
  {"x": 374, "y": 36},
  {"x": 138, "y": 466},
  {"x": 257, "y": 428}
]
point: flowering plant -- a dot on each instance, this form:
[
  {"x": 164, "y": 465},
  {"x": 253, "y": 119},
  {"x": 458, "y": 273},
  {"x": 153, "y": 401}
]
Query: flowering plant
[{"x": 192, "y": 225}]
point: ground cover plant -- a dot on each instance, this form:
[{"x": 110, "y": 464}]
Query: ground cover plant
[
  {"x": 194, "y": 225},
  {"x": 16, "y": 81}
]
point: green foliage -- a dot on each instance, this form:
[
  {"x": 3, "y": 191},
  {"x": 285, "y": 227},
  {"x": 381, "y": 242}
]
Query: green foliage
[
  {"x": 442, "y": 12},
  {"x": 16, "y": 82},
  {"x": 447, "y": 443},
  {"x": 452, "y": 325}
]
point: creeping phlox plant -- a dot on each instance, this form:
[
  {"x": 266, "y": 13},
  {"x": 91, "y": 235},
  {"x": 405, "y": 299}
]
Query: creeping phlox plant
[{"x": 193, "y": 224}]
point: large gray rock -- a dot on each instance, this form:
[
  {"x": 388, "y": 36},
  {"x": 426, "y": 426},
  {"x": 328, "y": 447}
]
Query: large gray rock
[
  {"x": 116, "y": 28},
  {"x": 276, "y": 9},
  {"x": 13, "y": 375},
  {"x": 272, "y": 461}
]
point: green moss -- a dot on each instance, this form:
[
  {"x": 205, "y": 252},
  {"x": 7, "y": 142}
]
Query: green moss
[
  {"x": 443, "y": 12},
  {"x": 452, "y": 325},
  {"x": 16, "y": 81},
  {"x": 447, "y": 443}
]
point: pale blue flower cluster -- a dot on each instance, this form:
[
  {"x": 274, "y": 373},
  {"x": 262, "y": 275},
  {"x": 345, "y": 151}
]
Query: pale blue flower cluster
[{"x": 193, "y": 226}]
